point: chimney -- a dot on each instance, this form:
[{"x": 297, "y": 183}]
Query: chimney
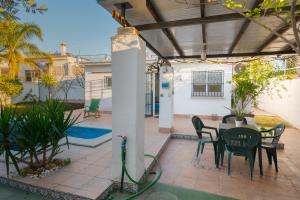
[{"x": 63, "y": 48}]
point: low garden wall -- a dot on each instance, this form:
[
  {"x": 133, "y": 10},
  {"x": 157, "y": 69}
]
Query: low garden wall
[{"x": 287, "y": 105}]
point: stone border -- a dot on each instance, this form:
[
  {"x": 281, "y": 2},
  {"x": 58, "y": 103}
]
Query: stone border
[
  {"x": 184, "y": 137},
  {"x": 45, "y": 192}
]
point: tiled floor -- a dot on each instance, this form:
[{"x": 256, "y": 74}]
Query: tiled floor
[
  {"x": 178, "y": 169},
  {"x": 89, "y": 173}
]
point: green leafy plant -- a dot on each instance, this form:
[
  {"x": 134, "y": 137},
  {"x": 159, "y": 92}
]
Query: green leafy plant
[
  {"x": 8, "y": 128},
  {"x": 34, "y": 134},
  {"x": 278, "y": 8},
  {"x": 239, "y": 114},
  {"x": 49, "y": 81},
  {"x": 9, "y": 87},
  {"x": 33, "y": 137},
  {"x": 17, "y": 48},
  {"x": 256, "y": 78},
  {"x": 59, "y": 124},
  {"x": 12, "y": 6}
]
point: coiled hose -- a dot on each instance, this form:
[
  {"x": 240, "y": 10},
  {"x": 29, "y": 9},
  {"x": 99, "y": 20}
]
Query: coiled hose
[{"x": 151, "y": 184}]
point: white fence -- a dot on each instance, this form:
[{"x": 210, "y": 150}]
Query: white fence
[{"x": 288, "y": 105}]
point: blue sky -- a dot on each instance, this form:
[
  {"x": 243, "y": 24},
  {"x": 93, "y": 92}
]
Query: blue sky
[{"x": 81, "y": 23}]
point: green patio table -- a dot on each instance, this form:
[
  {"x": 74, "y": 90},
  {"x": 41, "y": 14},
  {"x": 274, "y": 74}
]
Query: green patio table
[{"x": 221, "y": 143}]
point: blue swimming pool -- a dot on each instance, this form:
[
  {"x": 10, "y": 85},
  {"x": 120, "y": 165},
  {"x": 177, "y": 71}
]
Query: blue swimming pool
[{"x": 87, "y": 132}]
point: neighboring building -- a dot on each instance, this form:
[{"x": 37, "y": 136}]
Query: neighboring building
[
  {"x": 98, "y": 83},
  {"x": 199, "y": 88},
  {"x": 64, "y": 67}
]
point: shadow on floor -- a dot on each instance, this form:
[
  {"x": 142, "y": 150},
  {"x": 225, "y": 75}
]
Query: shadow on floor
[{"x": 167, "y": 192}]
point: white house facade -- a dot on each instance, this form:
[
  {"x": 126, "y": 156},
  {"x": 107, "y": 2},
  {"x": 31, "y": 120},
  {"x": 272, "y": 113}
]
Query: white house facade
[
  {"x": 202, "y": 89},
  {"x": 199, "y": 88}
]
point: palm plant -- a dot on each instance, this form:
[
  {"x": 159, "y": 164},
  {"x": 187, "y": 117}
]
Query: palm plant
[
  {"x": 8, "y": 128},
  {"x": 16, "y": 48},
  {"x": 60, "y": 124},
  {"x": 33, "y": 137}
]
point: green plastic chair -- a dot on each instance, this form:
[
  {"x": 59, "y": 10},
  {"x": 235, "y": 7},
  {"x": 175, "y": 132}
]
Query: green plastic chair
[
  {"x": 242, "y": 142},
  {"x": 270, "y": 146},
  {"x": 208, "y": 138},
  {"x": 93, "y": 108}
]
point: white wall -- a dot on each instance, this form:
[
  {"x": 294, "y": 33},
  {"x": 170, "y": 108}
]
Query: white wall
[
  {"x": 27, "y": 87},
  {"x": 94, "y": 76},
  {"x": 288, "y": 106},
  {"x": 185, "y": 104},
  {"x": 76, "y": 93}
]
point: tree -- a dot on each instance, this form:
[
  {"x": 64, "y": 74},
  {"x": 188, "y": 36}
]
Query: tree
[
  {"x": 80, "y": 75},
  {"x": 17, "y": 48},
  {"x": 12, "y": 6},
  {"x": 256, "y": 78},
  {"x": 9, "y": 87},
  {"x": 65, "y": 86},
  {"x": 49, "y": 81},
  {"x": 274, "y": 7}
]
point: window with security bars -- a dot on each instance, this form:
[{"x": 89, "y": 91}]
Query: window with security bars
[
  {"x": 208, "y": 83},
  {"x": 107, "y": 82}
]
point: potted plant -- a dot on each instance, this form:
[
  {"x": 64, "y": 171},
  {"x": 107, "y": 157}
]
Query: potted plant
[{"x": 239, "y": 117}]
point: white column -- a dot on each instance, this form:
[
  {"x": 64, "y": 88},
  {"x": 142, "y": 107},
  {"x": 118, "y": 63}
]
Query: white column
[
  {"x": 128, "y": 101},
  {"x": 166, "y": 97}
]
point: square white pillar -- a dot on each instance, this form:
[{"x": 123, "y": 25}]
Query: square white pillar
[
  {"x": 166, "y": 99},
  {"x": 128, "y": 101}
]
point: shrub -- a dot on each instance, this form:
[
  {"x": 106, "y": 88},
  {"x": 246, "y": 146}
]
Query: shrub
[
  {"x": 36, "y": 130},
  {"x": 9, "y": 87}
]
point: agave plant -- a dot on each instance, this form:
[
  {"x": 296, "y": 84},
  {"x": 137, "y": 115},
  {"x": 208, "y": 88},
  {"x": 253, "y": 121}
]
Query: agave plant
[
  {"x": 33, "y": 137},
  {"x": 41, "y": 128},
  {"x": 59, "y": 124},
  {"x": 8, "y": 129}
]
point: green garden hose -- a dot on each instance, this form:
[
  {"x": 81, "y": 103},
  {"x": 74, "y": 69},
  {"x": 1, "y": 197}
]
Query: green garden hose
[{"x": 152, "y": 183}]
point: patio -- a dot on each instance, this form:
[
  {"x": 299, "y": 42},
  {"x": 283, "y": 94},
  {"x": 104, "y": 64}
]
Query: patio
[
  {"x": 174, "y": 30},
  {"x": 89, "y": 174}
]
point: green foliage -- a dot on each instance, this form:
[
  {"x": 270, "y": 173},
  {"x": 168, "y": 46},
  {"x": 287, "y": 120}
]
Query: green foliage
[
  {"x": 265, "y": 5},
  {"x": 49, "y": 81},
  {"x": 256, "y": 78},
  {"x": 12, "y": 7},
  {"x": 17, "y": 48},
  {"x": 36, "y": 130},
  {"x": 8, "y": 127},
  {"x": 287, "y": 16},
  {"x": 9, "y": 87}
]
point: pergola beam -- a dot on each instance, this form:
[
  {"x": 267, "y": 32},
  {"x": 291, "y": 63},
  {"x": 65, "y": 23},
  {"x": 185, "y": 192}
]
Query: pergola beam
[
  {"x": 202, "y": 9},
  {"x": 158, "y": 18},
  {"x": 243, "y": 29},
  {"x": 272, "y": 37},
  {"x": 283, "y": 28},
  {"x": 288, "y": 47},
  {"x": 205, "y": 20},
  {"x": 233, "y": 55}
]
